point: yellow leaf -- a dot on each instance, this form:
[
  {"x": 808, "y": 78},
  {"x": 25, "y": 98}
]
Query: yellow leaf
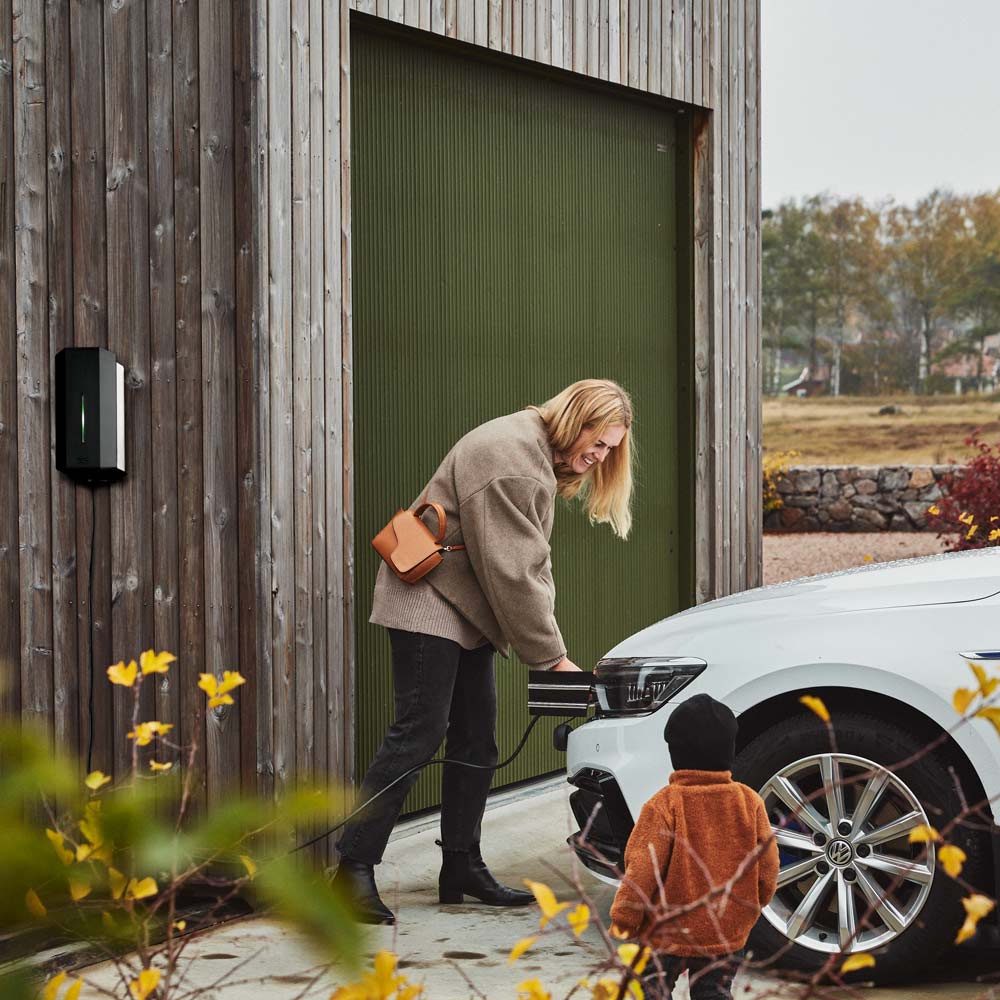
[
  {"x": 579, "y": 919},
  {"x": 231, "y": 679},
  {"x": 869, "y": 559},
  {"x": 532, "y": 989},
  {"x": 605, "y": 989},
  {"x": 220, "y": 699},
  {"x": 52, "y": 986},
  {"x": 248, "y": 863},
  {"x": 145, "y": 731},
  {"x": 78, "y": 889},
  {"x": 962, "y": 699},
  {"x": 965, "y": 517},
  {"x": 994, "y": 534},
  {"x": 95, "y": 780},
  {"x": 617, "y": 932},
  {"x": 120, "y": 674},
  {"x": 73, "y": 993},
  {"x": 952, "y": 858},
  {"x": 140, "y": 889},
  {"x": 971, "y": 532},
  {"x": 35, "y": 906},
  {"x": 155, "y": 765},
  {"x": 57, "y": 839},
  {"x": 990, "y": 715},
  {"x": 155, "y": 663},
  {"x": 521, "y": 947},
  {"x": 976, "y": 907},
  {"x": 546, "y": 901},
  {"x": 628, "y": 952},
  {"x": 934, "y": 510},
  {"x": 859, "y": 960},
  {"x": 924, "y": 834},
  {"x": 815, "y": 705},
  {"x": 987, "y": 685},
  {"x": 384, "y": 975},
  {"x": 179, "y": 925},
  {"x": 148, "y": 980},
  {"x": 116, "y": 882},
  {"x": 208, "y": 684}
]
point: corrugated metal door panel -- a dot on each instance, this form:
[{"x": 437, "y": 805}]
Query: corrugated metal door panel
[{"x": 512, "y": 234}]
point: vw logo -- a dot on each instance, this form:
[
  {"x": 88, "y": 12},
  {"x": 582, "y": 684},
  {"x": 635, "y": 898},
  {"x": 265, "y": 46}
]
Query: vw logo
[{"x": 840, "y": 852}]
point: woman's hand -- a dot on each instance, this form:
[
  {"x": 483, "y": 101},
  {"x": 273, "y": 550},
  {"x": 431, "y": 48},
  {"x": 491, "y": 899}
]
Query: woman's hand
[{"x": 566, "y": 664}]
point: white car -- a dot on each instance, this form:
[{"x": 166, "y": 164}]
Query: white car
[{"x": 885, "y": 647}]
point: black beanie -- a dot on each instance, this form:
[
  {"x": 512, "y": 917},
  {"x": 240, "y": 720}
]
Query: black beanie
[{"x": 701, "y": 735}]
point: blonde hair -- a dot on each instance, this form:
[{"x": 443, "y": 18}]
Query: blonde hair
[{"x": 589, "y": 408}]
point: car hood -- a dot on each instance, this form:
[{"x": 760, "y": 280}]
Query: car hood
[{"x": 950, "y": 578}]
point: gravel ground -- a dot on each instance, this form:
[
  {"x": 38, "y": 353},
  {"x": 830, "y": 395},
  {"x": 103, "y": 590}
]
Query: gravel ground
[{"x": 787, "y": 557}]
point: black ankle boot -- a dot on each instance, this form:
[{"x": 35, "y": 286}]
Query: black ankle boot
[
  {"x": 357, "y": 881},
  {"x": 464, "y": 873}
]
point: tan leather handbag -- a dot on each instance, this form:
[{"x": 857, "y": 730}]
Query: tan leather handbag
[{"x": 407, "y": 545}]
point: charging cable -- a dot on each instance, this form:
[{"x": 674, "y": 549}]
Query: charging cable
[{"x": 418, "y": 767}]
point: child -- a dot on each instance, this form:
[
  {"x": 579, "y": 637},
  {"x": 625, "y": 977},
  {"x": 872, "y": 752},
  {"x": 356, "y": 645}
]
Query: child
[{"x": 691, "y": 890}]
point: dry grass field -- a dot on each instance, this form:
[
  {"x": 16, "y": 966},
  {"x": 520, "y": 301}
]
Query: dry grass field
[{"x": 847, "y": 430}]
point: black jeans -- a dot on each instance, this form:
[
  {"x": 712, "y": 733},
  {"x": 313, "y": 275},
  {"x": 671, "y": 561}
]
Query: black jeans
[
  {"x": 709, "y": 978},
  {"x": 442, "y": 692}
]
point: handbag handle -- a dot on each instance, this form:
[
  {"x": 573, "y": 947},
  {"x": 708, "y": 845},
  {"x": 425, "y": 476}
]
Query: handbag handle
[{"x": 442, "y": 521}]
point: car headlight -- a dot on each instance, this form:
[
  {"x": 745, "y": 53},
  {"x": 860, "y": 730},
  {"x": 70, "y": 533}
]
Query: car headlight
[{"x": 639, "y": 685}]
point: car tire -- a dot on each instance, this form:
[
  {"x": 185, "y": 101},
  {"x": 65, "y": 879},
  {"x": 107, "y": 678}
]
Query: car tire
[{"x": 934, "y": 926}]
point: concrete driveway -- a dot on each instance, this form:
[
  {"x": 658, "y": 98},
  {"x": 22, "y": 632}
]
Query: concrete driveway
[{"x": 458, "y": 952}]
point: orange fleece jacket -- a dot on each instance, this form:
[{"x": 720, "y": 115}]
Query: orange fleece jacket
[{"x": 692, "y": 838}]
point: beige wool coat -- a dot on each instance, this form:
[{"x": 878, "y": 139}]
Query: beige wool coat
[{"x": 497, "y": 486}]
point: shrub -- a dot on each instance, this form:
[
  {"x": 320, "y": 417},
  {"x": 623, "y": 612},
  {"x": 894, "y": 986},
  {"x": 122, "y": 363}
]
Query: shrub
[
  {"x": 969, "y": 514},
  {"x": 775, "y": 466}
]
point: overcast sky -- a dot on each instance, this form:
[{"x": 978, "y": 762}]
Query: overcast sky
[{"x": 879, "y": 97}]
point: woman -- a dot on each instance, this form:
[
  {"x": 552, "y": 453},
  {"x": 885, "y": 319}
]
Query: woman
[{"x": 497, "y": 486}]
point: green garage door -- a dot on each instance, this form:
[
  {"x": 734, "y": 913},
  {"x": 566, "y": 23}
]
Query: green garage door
[{"x": 513, "y": 233}]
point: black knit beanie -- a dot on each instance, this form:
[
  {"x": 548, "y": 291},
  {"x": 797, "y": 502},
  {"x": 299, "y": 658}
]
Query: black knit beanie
[{"x": 701, "y": 735}]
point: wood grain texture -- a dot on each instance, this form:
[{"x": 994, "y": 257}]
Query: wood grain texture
[
  {"x": 31, "y": 294},
  {"x": 188, "y": 346},
  {"x": 163, "y": 366},
  {"x": 10, "y": 589},
  {"x": 218, "y": 293},
  {"x": 59, "y": 247}
]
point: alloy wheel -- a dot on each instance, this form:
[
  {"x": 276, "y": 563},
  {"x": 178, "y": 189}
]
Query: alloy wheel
[{"x": 849, "y": 880}]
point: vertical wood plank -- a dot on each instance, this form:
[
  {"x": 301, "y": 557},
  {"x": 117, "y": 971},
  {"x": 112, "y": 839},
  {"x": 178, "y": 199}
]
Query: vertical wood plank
[
  {"x": 594, "y": 38},
  {"x": 604, "y": 29},
  {"x": 163, "y": 351},
  {"x": 754, "y": 569},
  {"x": 614, "y": 41},
  {"x": 689, "y": 8},
  {"x": 528, "y": 28},
  {"x": 740, "y": 443},
  {"x": 93, "y": 512},
  {"x": 634, "y": 27},
  {"x": 301, "y": 465},
  {"x": 260, "y": 188},
  {"x": 31, "y": 292},
  {"x": 337, "y": 696},
  {"x": 10, "y": 588},
  {"x": 128, "y": 337},
  {"x": 218, "y": 293},
  {"x": 580, "y": 36},
  {"x": 558, "y": 21},
  {"x": 451, "y": 18},
  {"x": 724, "y": 348},
  {"x": 495, "y": 33},
  {"x": 382, "y": 8},
  {"x": 188, "y": 346},
  {"x": 696, "y": 29},
  {"x": 543, "y": 31},
  {"x": 507, "y": 43},
  {"x": 678, "y": 43},
  {"x": 281, "y": 375},
  {"x": 59, "y": 243},
  {"x": 666, "y": 47},
  {"x": 655, "y": 45},
  {"x": 482, "y": 18},
  {"x": 424, "y": 20},
  {"x": 437, "y": 22},
  {"x": 466, "y": 20},
  {"x": 396, "y": 11},
  {"x": 317, "y": 341},
  {"x": 706, "y": 51},
  {"x": 703, "y": 506},
  {"x": 517, "y": 27},
  {"x": 247, "y": 188},
  {"x": 643, "y": 80},
  {"x": 411, "y": 12},
  {"x": 347, "y": 398}
]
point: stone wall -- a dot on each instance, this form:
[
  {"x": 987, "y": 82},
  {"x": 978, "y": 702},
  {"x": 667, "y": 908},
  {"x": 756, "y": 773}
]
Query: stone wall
[{"x": 857, "y": 497}]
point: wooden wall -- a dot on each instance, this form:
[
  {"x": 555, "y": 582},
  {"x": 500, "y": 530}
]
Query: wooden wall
[{"x": 175, "y": 185}]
